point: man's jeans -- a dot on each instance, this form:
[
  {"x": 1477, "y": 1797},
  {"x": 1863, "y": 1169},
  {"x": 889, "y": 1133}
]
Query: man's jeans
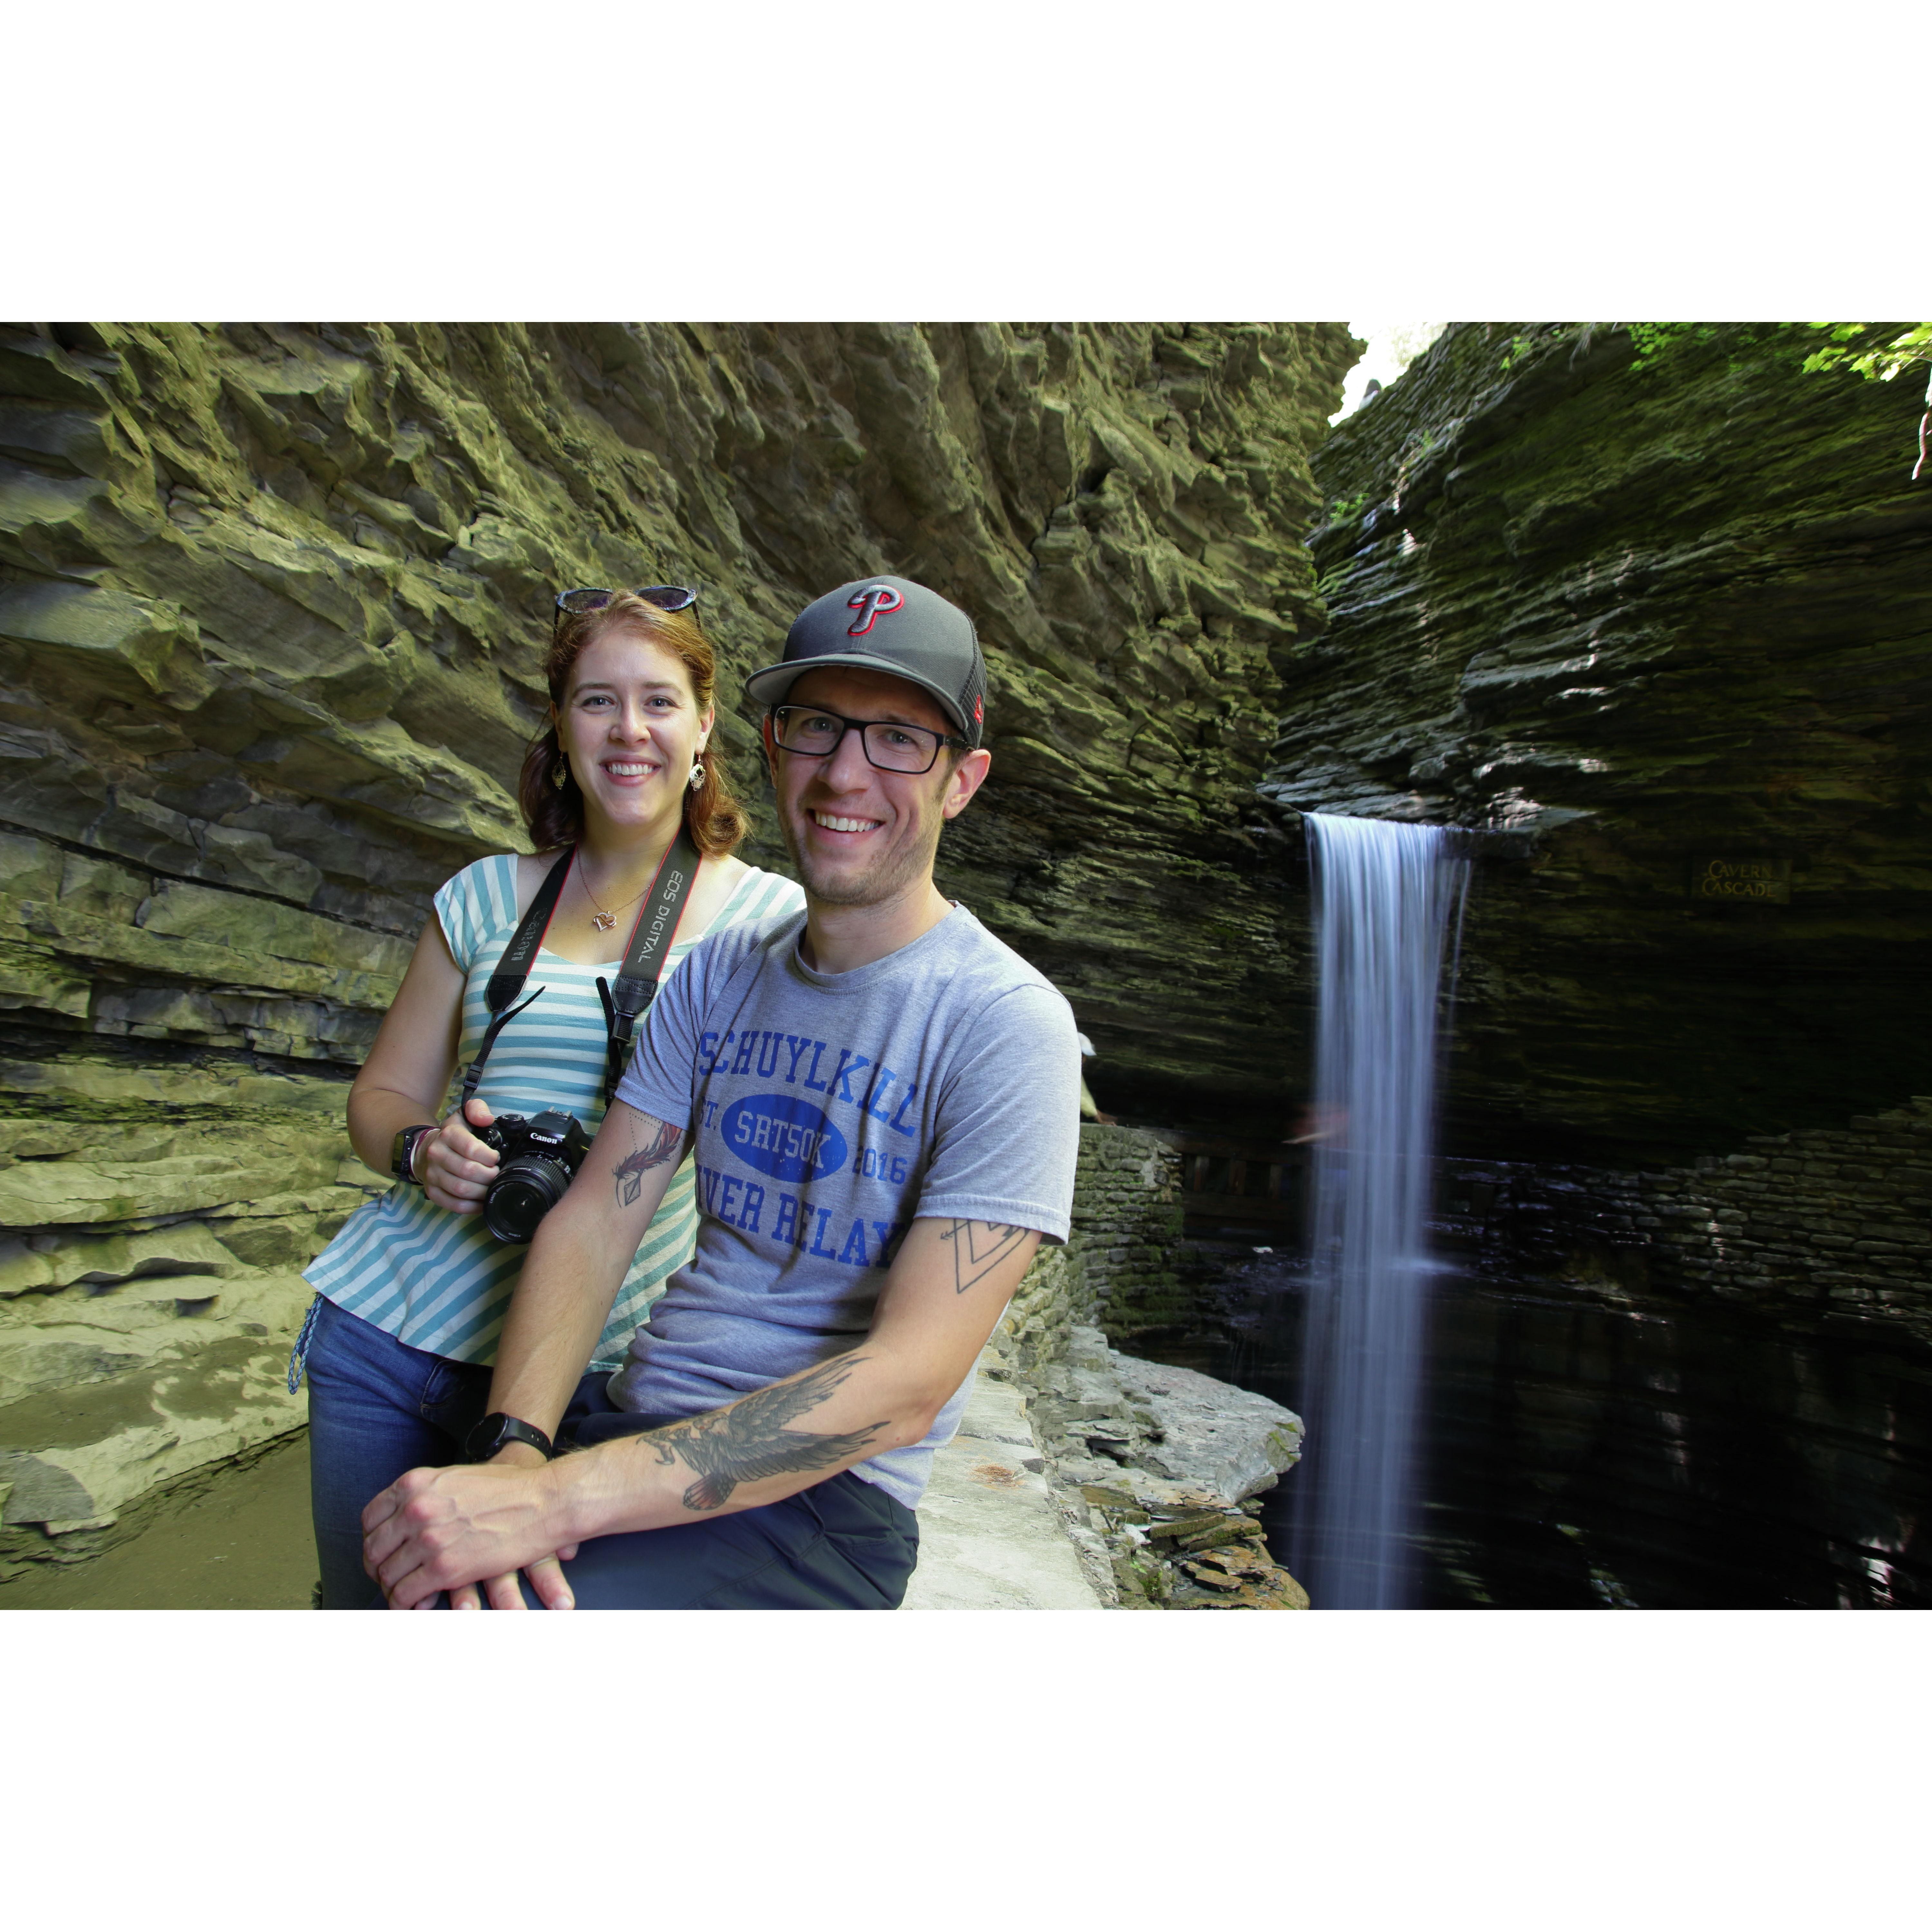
[{"x": 378, "y": 1408}]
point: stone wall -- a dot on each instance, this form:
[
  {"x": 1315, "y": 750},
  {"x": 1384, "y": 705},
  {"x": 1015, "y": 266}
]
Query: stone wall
[
  {"x": 1126, "y": 1220},
  {"x": 1820, "y": 1221},
  {"x": 1116, "y": 1274}
]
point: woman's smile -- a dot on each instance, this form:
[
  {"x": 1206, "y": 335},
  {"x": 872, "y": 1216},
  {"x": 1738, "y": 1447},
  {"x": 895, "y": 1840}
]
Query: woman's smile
[{"x": 631, "y": 727}]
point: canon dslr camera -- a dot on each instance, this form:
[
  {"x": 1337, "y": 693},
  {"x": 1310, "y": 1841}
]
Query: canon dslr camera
[{"x": 540, "y": 1157}]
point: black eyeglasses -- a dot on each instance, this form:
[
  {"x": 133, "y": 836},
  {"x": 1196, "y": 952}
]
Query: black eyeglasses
[
  {"x": 813, "y": 733},
  {"x": 665, "y": 596}
]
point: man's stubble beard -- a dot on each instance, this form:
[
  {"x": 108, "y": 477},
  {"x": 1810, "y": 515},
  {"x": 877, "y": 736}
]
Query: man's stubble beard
[{"x": 870, "y": 887}]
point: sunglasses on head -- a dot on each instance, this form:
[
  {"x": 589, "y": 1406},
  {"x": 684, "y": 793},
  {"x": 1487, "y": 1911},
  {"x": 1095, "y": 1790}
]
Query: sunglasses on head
[{"x": 665, "y": 596}]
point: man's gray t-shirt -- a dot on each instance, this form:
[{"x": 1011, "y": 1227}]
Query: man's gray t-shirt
[{"x": 832, "y": 1110}]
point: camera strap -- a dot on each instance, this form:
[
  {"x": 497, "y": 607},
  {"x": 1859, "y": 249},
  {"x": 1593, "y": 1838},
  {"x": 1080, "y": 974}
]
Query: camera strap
[
  {"x": 645, "y": 957},
  {"x": 514, "y": 968},
  {"x": 638, "y": 977}
]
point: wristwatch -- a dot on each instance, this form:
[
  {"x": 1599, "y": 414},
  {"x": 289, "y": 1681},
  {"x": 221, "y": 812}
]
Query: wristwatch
[
  {"x": 498, "y": 1432},
  {"x": 403, "y": 1152}
]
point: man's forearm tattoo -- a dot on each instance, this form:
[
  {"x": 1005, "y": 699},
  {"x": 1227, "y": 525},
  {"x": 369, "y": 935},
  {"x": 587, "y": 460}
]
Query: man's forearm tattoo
[
  {"x": 630, "y": 1172},
  {"x": 749, "y": 1440},
  {"x": 978, "y": 1248}
]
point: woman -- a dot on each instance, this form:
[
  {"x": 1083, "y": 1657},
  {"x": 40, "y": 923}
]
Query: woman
[{"x": 411, "y": 1293}]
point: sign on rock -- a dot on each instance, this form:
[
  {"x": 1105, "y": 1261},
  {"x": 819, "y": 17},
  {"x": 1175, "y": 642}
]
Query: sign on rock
[{"x": 1742, "y": 881}]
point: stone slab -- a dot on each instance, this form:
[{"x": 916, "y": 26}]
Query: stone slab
[{"x": 990, "y": 1536}]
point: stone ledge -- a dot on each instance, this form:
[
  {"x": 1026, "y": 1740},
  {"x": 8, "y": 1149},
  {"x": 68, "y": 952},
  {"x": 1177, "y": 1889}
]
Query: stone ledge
[{"x": 990, "y": 1538}]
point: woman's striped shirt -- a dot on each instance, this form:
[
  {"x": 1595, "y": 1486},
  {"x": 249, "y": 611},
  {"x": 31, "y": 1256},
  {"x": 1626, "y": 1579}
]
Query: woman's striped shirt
[{"x": 441, "y": 1281}]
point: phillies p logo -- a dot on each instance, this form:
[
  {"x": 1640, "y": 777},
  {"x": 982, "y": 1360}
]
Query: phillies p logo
[{"x": 872, "y": 604}]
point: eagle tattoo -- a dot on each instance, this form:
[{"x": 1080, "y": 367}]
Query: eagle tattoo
[{"x": 749, "y": 1440}]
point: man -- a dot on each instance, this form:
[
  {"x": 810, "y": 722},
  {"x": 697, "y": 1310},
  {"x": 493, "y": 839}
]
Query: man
[{"x": 884, "y": 1103}]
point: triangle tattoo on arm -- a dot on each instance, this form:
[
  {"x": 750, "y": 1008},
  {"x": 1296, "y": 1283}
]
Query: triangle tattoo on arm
[{"x": 978, "y": 1248}]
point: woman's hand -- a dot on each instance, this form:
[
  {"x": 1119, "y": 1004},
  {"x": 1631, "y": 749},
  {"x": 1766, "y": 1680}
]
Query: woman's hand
[
  {"x": 547, "y": 1580},
  {"x": 455, "y": 1167},
  {"x": 431, "y": 1524}
]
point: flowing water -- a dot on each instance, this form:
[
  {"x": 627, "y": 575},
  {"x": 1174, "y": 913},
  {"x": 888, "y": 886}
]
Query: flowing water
[{"x": 1387, "y": 897}]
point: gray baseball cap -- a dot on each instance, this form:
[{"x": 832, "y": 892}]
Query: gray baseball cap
[{"x": 886, "y": 624}]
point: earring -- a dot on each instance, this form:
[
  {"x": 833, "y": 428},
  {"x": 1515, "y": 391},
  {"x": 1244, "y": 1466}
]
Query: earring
[
  {"x": 697, "y": 773},
  {"x": 559, "y": 773}
]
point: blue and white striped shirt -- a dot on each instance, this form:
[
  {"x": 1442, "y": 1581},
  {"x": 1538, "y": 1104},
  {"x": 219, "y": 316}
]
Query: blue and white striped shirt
[{"x": 441, "y": 1281}]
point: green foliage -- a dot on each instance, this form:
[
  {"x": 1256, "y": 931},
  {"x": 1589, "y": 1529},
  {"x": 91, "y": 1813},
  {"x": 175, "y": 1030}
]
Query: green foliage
[
  {"x": 1516, "y": 350},
  {"x": 1346, "y": 509},
  {"x": 1869, "y": 349},
  {"x": 1651, "y": 339},
  {"x": 1849, "y": 346},
  {"x": 1657, "y": 341}
]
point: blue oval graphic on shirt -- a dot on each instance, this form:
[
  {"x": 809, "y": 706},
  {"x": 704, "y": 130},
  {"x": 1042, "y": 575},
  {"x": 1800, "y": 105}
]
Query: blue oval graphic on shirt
[{"x": 783, "y": 1136}]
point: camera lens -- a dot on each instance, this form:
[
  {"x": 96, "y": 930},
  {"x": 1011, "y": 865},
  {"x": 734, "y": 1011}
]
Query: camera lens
[{"x": 528, "y": 1188}]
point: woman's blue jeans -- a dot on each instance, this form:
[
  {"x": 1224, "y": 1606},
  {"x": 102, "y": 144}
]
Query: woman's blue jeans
[{"x": 378, "y": 1408}]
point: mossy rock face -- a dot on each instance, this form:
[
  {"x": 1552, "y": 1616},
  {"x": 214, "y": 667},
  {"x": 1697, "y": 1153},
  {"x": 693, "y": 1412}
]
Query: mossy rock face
[
  {"x": 273, "y": 606},
  {"x": 273, "y": 603},
  {"x": 1639, "y": 604}
]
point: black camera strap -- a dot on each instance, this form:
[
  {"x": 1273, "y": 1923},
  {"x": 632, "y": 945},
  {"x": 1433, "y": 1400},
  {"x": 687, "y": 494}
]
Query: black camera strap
[
  {"x": 514, "y": 968},
  {"x": 645, "y": 957},
  {"x": 637, "y": 978}
]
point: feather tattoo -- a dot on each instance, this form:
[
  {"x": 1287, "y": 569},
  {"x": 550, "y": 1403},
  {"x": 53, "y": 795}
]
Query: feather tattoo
[
  {"x": 630, "y": 1172},
  {"x": 749, "y": 1440}
]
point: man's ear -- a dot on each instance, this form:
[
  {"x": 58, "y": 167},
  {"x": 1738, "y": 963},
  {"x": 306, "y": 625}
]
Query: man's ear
[
  {"x": 968, "y": 775},
  {"x": 771, "y": 749}
]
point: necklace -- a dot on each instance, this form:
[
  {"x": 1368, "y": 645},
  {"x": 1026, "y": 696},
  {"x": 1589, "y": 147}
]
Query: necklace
[{"x": 604, "y": 921}]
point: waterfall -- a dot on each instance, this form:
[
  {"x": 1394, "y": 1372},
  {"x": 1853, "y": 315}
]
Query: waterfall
[{"x": 1384, "y": 895}]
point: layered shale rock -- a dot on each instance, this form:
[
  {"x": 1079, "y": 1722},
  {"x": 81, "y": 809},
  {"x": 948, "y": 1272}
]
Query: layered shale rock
[
  {"x": 272, "y": 605},
  {"x": 1655, "y": 608}
]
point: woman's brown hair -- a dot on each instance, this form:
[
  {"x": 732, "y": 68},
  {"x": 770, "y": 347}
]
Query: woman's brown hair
[{"x": 555, "y": 817}]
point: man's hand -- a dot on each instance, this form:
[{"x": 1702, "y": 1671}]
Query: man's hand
[
  {"x": 439, "y": 1529},
  {"x": 546, "y": 1575},
  {"x": 442, "y": 1529}
]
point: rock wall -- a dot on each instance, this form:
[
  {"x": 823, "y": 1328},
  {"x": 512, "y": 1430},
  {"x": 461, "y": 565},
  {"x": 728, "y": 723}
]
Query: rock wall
[
  {"x": 1654, "y": 610},
  {"x": 272, "y": 605},
  {"x": 1821, "y": 1221}
]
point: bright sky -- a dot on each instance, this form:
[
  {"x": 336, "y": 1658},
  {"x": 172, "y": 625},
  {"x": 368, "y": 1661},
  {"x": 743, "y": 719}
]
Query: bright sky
[{"x": 1393, "y": 346}]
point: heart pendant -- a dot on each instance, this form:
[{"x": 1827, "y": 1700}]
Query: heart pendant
[{"x": 604, "y": 921}]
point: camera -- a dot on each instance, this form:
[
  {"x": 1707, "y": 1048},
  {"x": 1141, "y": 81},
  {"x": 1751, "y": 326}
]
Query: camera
[{"x": 540, "y": 1157}]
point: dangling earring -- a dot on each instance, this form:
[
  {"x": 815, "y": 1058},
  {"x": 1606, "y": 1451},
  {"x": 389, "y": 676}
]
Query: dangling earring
[
  {"x": 697, "y": 773},
  {"x": 559, "y": 772}
]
